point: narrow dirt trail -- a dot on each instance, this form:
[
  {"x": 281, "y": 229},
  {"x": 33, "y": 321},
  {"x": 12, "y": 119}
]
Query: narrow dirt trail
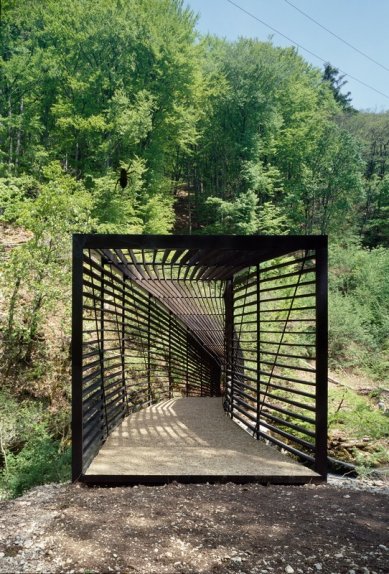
[{"x": 190, "y": 529}]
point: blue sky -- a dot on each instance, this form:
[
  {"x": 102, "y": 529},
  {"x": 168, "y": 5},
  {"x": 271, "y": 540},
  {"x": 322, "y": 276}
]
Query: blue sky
[{"x": 363, "y": 23}]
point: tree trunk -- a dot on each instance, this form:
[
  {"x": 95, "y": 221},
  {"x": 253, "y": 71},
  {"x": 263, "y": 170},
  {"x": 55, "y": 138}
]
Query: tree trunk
[
  {"x": 10, "y": 149},
  {"x": 19, "y": 137}
]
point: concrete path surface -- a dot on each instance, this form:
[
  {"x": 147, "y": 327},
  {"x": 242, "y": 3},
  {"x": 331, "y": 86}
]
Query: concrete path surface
[{"x": 192, "y": 437}]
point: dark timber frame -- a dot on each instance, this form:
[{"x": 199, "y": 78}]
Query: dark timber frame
[{"x": 243, "y": 316}]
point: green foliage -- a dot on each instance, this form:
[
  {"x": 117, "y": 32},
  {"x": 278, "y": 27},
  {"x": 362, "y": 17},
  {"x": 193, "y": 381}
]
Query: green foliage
[
  {"x": 330, "y": 184},
  {"x": 365, "y": 462},
  {"x": 238, "y": 217},
  {"x": 359, "y": 306},
  {"x": 158, "y": 215},
  {"x": 349, "y": 410},
  {"x": 272, "y": 219},
  {"x": 29, "y": 453},
  {"x": 356, "y": 417},
  {"x": 245, "y": 216},
  {"x": 375, "y": 213},
  {"x": 38, "y": 272},
  {"x": 48, "y": 208},
  {"x": 349, "y": 341},
  {"x": 371, "y": 130},
  {"x": 41, "y": 461},
  {"x": 336, "y": 83},
  {"x": 98, "y": 84},
  {"x": 115, "y": 209},
  {"x": 272, "y": 131}
]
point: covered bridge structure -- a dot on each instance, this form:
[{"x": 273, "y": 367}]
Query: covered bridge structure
[{"x": 199, "y": 358}]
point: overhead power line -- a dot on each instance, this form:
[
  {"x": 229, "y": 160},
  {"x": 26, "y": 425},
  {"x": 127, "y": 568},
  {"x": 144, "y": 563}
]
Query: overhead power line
[
  {"x": 336, "y": 36},
  {"x": 306, "y": 49}
]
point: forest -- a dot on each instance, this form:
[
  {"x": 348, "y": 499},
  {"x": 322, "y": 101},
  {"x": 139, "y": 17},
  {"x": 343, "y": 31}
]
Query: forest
[{"x": 214, "y": 137}]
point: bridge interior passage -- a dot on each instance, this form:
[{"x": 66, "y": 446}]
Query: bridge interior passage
[{"x": 156, "y": 318}]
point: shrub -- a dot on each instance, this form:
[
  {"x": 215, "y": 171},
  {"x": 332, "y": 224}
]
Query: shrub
[
  {"x": 359, "y": 307},
  {"x": 30, "y": 453},
  {"x": 42, "y": 460},
  {"x": 356, "y": 414}
]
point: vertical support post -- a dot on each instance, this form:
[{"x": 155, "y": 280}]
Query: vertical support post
[
  {"x": 201, "y": 377},
  {"x": 229, "y": 307},
  {"x": 77, "y": 328},
  {"x": 187, "y": 365},
  {"x": 215, "y": 379},
  {"x": 102, "y": 327},
  {"x": 321, "y": 359},
  {"x": 148, "y": 348},
  {"x": 258, "y": 424},
  {"x": 170, "y": 357},
  {"x": 123, "y": 347}
]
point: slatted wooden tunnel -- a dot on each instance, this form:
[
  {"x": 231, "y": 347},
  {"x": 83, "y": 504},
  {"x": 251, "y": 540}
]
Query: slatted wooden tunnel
[{"x": 157, "y": 318}]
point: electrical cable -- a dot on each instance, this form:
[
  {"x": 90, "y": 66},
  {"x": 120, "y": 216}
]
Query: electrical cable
[
  {"x": 306, "y": 49},
  {"x": 336, "y": 36}
]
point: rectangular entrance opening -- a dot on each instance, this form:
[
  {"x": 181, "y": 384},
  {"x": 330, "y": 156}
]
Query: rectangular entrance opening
[{"x": 176, "y": 337}]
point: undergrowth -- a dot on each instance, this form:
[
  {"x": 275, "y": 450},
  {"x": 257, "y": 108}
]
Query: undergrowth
[
  {"x": 355, "y": 417},
  {"x": 30, "y": 453}
]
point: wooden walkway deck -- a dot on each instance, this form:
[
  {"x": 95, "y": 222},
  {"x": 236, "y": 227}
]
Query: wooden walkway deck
[{"x": 191, "y": 440}]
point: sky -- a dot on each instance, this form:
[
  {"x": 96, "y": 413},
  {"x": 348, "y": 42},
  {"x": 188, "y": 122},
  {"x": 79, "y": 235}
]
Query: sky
[{"x": 362, "y": 23}]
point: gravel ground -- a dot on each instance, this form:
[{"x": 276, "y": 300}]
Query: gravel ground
[{"x": 341, "y": 527}]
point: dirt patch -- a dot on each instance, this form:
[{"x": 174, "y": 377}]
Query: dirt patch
[{"x": 190, "y": 529}]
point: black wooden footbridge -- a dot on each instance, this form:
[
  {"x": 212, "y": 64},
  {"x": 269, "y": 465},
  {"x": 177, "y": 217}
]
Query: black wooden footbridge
[{"x": 193, "y": 353}]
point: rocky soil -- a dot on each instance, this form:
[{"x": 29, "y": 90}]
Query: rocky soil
[{"x": 341, "y": 527}]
